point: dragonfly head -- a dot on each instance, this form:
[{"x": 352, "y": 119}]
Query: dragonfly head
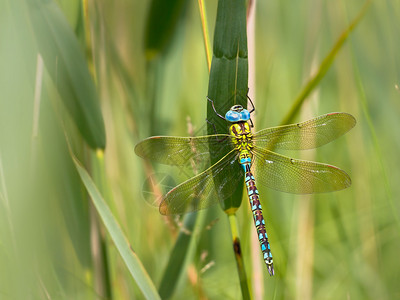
[{"x": 237, "y": 113}]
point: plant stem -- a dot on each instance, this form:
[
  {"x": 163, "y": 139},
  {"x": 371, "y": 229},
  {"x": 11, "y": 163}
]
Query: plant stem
[
  {"x": 324, "y": 67},
  {"x": 238, "y": 256},
  {"x": 206, "y": 36}
]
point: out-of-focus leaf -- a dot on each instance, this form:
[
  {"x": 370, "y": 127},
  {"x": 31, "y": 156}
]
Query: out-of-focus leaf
[
  {"x": 161, "y": 24},
  {"x": 177, "y": 258},
  {"x": 324, "y": 66},
  {"x": 130, "y": 258},
  {"x": 65, "y": 63},
  {"x": 72, "y": 9}
]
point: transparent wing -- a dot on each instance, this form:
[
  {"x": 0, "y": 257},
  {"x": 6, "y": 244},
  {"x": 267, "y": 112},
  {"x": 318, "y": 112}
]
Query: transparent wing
[
  {"x": 297, "y": 176},
  {"x": 178, "y": 151},
  {"x": 208, "y": 188},
  {"x": 306, "y": 135}
]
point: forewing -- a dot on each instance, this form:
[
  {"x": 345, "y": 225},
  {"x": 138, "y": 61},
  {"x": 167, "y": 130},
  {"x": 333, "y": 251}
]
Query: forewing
[
  {"x": 297, "y": 176},
  {"x": 306, "y": 135},
  {"x": 178, "y": 151},
  {"x": 208, "y": 188}
]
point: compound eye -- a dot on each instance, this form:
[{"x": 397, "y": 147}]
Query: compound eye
[
  {"x": 244, "y": 115},
  {"x": 232, "y": 116}
]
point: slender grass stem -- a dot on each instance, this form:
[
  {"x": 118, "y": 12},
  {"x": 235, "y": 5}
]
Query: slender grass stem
[
  {"x": 100, "y": 255},
  {"x": 99, "y": 245},
  {"x": 256, "y": 267},
  {"x": 324, "y": 67},
  {"x": 377, "y": 149},
  {"x": 88, "y": 41},
  {"x": 238, "y": 256},
  {"x": 206, "y": 35}
]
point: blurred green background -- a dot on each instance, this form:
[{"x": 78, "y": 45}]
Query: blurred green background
[{"x": 149, "y": 78}]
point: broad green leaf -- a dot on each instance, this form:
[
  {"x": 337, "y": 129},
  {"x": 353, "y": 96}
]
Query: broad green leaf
[
  {"x": 227, "y": 86},
  {"x": 43, "y": 22},
  {"x": 30, "y": 132},
  {"x": 228, "y": 76}
]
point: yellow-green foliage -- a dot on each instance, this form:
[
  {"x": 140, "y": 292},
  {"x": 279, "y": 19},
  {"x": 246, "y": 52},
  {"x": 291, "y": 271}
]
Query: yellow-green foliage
[{"x": 63, "y": 62}]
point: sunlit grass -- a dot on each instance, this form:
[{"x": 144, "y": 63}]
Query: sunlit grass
[{"x": 341, "y": 245}]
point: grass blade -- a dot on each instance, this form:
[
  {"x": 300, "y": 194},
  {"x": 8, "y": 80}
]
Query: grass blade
[
  {"x": 206, "y": 36},
  {"x": 239, "y": 257},
  {"x": 130, "y": 258},
  {"x": 177, "y": 258},
  {"x": 65, "y": 62},
  {"x": 324, "y": 67},
  {"x": 228, "y": 76},
  {"x": 228, "y": 85}
]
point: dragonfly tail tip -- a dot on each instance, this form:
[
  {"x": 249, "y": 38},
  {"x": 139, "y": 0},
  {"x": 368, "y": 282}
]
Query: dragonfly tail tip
[{"x": 270, "y": 268}]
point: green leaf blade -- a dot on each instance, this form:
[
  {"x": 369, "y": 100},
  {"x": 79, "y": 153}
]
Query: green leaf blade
[
  {"x": 130, "y": 258},
  {"x": 228, "y": 82},
  {"x": 68, "y": 69}
]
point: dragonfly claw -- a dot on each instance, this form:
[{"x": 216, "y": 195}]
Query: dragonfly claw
[
  {"x": 270, "y": 267},
  {"x": 271, "y": 270}
]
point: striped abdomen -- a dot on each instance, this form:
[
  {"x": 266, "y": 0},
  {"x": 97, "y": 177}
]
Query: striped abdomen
[
  {"x": 258, "y": 218},
  {"x": 242, "y": 139}
]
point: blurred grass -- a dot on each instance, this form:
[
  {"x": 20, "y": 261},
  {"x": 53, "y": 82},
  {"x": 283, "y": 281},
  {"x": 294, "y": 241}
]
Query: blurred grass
[
  {"x": 125, "y": 249},
  {"x": 44, "y": 230}
]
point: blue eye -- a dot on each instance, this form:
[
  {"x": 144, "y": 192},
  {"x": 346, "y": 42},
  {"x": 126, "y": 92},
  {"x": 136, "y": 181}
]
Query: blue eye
[
  {"x": 232, "y": 116},
  {"x": 244, "y": 115}
]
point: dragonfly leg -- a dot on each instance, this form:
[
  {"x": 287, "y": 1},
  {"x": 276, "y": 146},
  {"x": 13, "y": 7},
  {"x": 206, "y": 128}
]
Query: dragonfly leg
[
  {"x": 251, "y": 123},
  {"x": 252, "y": 104},
  {"x": 215, "y": 130},
  {"x": 213, "y": 125},
  {"x": 212, "y": 103}
]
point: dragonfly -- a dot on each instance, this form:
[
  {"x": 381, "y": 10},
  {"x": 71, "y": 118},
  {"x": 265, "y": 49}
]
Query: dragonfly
[{"x": 243, "y": 153}]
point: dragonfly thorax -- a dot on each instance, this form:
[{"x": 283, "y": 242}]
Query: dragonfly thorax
[{"x": 242, "y": 137}]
